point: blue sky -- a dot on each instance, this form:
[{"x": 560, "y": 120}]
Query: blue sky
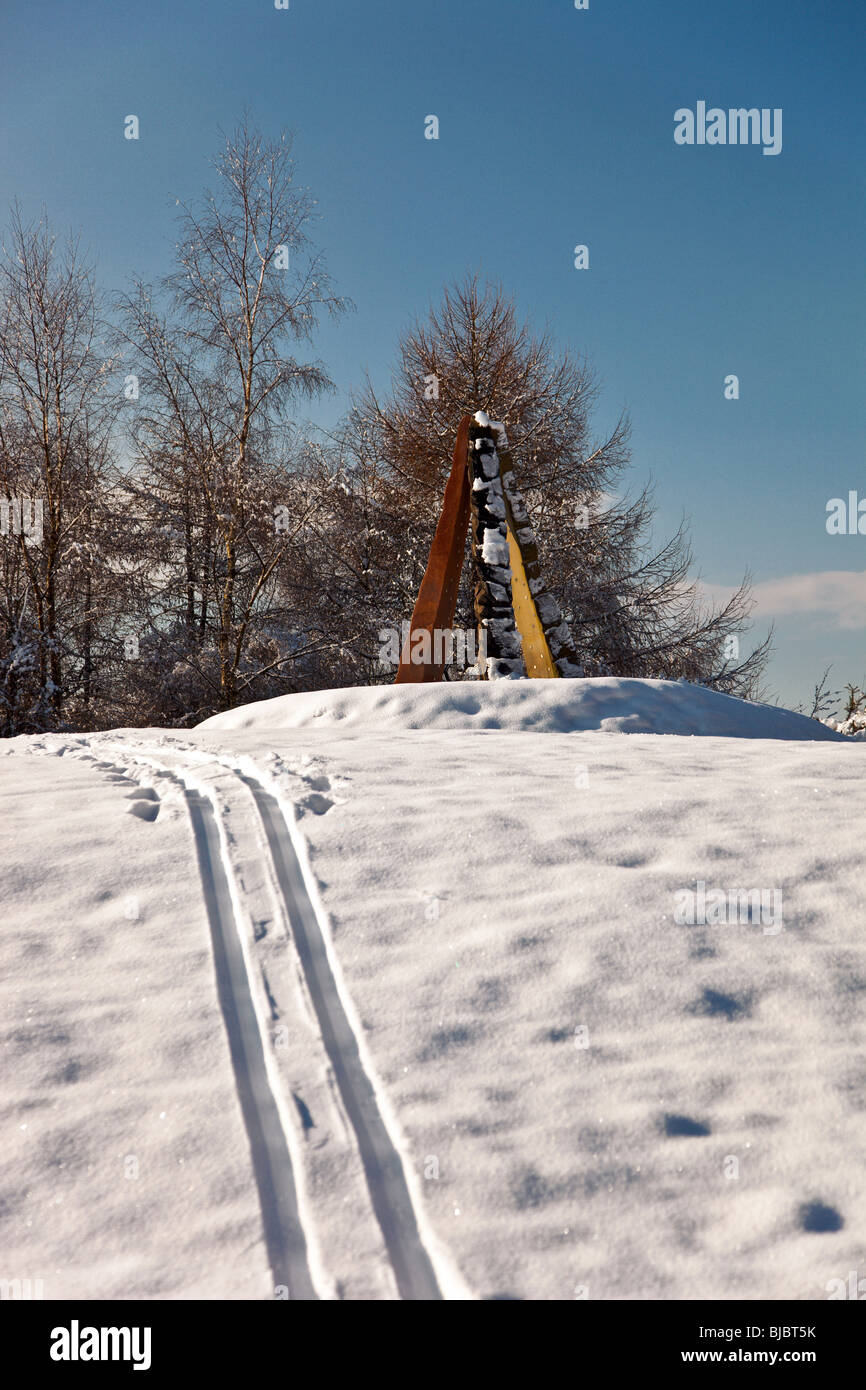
[{"x": 556, "y": 128}]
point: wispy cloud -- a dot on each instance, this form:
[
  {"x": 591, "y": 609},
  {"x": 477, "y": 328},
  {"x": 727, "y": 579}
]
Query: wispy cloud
[{"x": 835, "y": 597}]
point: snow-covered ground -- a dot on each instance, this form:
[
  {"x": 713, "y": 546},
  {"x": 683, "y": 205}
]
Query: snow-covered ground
[
  {"x": 609, "y": 705},
  {"x": 400, "y": 993}
]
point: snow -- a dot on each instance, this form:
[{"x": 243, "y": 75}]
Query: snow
[
  {"x": 124, "y": 1169},
  {"x": 852, "y": 727},
  {"x": 588, "y": 1098},
  {"x": 610, "y": 704},
  {"x": 494, "y": 547},
  {"x": 482, "y": 419}
]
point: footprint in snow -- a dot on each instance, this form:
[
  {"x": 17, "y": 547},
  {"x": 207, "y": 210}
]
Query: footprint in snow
[
  {"x": 714, "y": 1004},
  {"x": 319, "y": 784},
  {"x": 144, "y": 803},
  {"x": 819, "y": 1219},
  {"x": 682, "y": 1127}
]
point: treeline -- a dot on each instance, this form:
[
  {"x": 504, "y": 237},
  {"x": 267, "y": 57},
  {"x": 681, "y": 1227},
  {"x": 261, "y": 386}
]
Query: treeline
[{"x": 173, "y": 542}]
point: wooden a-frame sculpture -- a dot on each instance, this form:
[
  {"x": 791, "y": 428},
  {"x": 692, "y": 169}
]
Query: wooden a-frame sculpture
[{"x": 521, "y": 631}]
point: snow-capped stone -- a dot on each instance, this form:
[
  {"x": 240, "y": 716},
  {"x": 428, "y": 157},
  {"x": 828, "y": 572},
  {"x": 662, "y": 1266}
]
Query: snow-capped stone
[{"x": 494, "y": 549}]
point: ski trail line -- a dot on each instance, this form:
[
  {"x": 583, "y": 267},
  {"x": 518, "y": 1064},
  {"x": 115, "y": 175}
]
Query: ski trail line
[
  {"x": 272, "y": 1165},
  {"x": 383, "y": 1166}
]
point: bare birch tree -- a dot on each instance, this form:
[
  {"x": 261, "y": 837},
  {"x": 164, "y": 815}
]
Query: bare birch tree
[{"x": 213, "y": 434}]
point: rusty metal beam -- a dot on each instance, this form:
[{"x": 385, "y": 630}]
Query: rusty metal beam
[{"x": 437, "y": 597}]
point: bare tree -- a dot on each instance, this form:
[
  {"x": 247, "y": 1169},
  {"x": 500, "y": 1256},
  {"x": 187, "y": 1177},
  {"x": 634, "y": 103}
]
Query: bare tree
[
  {"x": 55, "y": 430},
  {"x": 213, "y": 436}
]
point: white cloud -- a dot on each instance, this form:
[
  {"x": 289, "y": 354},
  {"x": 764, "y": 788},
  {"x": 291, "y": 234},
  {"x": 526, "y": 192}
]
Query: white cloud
[{"x": 836, "y": 597}]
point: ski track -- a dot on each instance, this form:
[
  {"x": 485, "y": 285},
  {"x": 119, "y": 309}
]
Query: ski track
[
  {"x": 272, "y": 1165},
  {"x": 383, "y": 1167},
  {"x": 285, "y": 1240}
]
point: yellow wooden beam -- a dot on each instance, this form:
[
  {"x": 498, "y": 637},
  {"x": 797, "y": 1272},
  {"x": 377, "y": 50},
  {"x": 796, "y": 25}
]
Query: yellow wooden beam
[{"x": 536, "y": 653}]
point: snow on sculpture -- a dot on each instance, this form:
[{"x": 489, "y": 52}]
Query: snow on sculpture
[{"x": 521, "y": 630}]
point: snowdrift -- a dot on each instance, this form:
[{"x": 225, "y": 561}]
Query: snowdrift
[{"x": 608, "y": 705}]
